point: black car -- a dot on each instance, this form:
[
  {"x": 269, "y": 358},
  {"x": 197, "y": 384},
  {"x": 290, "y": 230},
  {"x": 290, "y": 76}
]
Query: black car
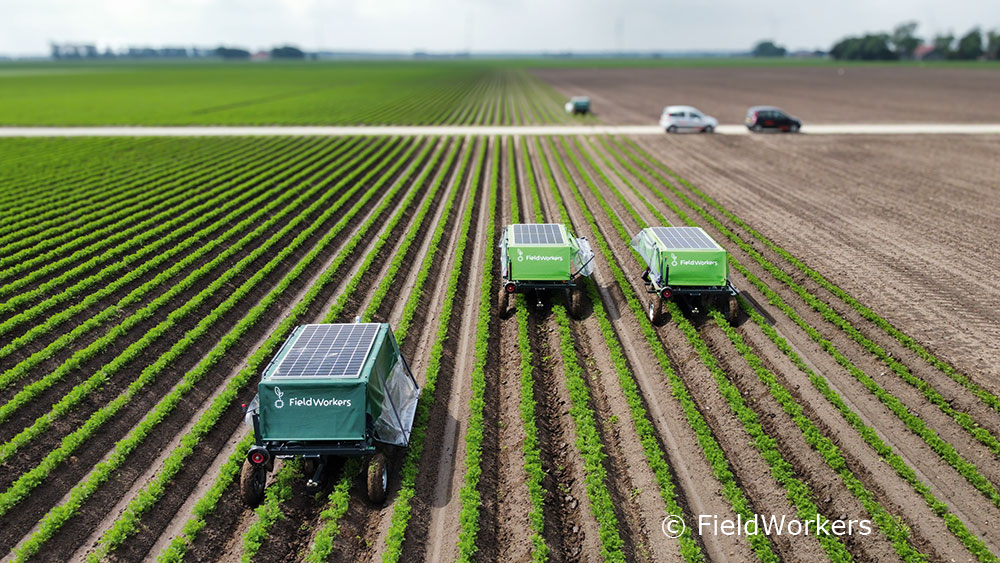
[{"x": 760, "y": 118}]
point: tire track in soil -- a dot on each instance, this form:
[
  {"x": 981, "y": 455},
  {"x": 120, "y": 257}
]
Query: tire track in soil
[
  {"x": 632, "y": 484},
  {"x": 752, "y": 473},
  {"x": 440, "y": 542},
  {"x": 111, "y": 492},
  {"x": 877, "y": 477},
  {"x": 427, "y": 317},
  {"x": 511, "y": 515},
  {"x": 336, "y": 288},
  {"x": 877, "y": 415}
]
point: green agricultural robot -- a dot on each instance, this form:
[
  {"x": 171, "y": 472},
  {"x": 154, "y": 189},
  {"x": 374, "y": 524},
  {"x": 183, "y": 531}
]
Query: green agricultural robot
[
  {"x": 685, "y": 264},
  {"x": 543, "y": 257},
  {"x": 331, "y": 391}
]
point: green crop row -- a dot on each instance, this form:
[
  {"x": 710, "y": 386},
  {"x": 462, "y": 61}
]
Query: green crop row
[
  {"x": 107, "y": 230},
  {"x": 342, "y": 300},
  {"x": 533, "y": 468},
  {"x": 410, "y": 309},
  {"x": 402, "y": 507},
  {"x": 95, "y": 191},
  {"x": 954, "y": 524},
  {"x": 34, "y": 389},
  {"x": 897, "y": 407},
  {"x": 711, "y": 449},
  {"x": 336, "y": 506},
  {"x": 415, "y": 229},
  {"x": 114, "y": 238},
  {"x": 269, "y": 511},
  {"x": 647, "y": 433},
  {"x": 174, "y": 463},
  {"x": 130, "y": 265},
  {"x": 797, "y": 491},
  {"x": 904, "y": 339},
  {"x": 471, "y": 500},
  {"x": 228, "y": 473},
  {"x": 24, "y": 484},
  {"x": 532, "y": 453},
  {"x": 588, "y": 442}
]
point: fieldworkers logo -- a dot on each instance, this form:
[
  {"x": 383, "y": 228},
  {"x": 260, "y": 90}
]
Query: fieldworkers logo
[
  {"x": 279, "y": 403},
  {"x": 533, "y": 258},
  {"x": 673, "y": 259},
  {"x": 673, "y": 526},
  {"x": 699, "y": 263},
  {"x": 520, "y": 255}
]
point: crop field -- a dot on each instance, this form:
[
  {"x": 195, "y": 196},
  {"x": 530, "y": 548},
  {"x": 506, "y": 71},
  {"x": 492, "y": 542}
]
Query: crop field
[
  {"x": 145, "y": 283},
  {"x": 453, "y": 93}
]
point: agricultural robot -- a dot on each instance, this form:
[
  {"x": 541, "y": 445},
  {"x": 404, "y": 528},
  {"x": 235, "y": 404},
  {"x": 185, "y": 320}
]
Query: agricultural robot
[
  {"x": 685, "y": 264},
  {"x": 543, "y": 257},
  {"x": 332, "y": 391}
]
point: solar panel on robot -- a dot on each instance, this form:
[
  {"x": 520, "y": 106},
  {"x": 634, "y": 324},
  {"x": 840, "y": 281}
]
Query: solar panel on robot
[
  {"x": 331, "y": 390},
  {"x": 684, "y": 262}
]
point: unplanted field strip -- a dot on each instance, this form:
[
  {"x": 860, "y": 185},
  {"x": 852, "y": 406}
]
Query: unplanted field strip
[{"x": 403, "y": 130}]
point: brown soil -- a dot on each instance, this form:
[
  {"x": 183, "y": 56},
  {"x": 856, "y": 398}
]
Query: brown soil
[{"x": 820, "y": 94}]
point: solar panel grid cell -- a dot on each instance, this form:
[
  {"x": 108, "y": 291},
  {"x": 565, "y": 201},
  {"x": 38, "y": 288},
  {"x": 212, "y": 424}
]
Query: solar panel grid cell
[{"x": 338, "y": 350}]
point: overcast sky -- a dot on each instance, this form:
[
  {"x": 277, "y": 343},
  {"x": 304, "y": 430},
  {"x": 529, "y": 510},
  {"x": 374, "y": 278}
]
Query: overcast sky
[{"x": 27, "y": 26}]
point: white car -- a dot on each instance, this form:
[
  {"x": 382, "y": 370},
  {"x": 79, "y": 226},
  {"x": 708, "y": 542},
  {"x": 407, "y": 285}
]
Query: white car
[{"x": 687, "y": 118}]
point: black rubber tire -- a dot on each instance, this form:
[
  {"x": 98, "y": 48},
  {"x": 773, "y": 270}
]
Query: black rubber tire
[
  {"x": 756, "y": 128},
  {"x": 794, "y": 128},
  {"x": 504, "y": 303},
  {"x": 672, "y": 129},
  {"x": 378, "y": 478},
  {"x": 708, "y": 129},
  {"x": 654, "y": 309},
  {"x": 253, "y": 480}
]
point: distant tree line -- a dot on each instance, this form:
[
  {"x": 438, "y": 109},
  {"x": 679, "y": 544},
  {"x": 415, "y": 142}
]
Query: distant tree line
[
  {"x": 903, "y": 44},
  {"x": 74, "y": 51}
]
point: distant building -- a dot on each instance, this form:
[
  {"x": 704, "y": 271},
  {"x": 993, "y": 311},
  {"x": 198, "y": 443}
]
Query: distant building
[{"x": 927, "y": 53}]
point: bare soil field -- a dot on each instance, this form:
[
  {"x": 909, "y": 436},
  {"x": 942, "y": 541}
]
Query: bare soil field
[{"x": 821, "y": 94}]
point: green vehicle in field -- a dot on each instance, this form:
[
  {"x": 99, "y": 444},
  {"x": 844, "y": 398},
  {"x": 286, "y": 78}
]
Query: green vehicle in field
[
  {"x": 684, "y": 263},
  {"x": 539, "y": 257},
  {"x": 331, "y": 391},
  {"x": 578, "y": 104}
]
